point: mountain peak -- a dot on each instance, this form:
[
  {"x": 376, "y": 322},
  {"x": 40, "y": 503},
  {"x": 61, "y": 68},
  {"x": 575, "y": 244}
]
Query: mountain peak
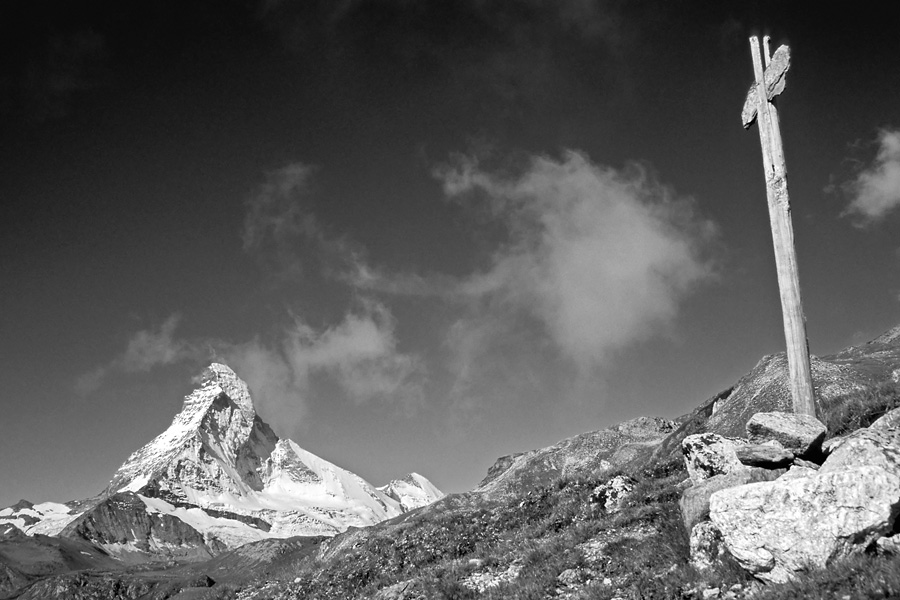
[
  {"x": 220, "y": 378},
  {"x": 217, "y": 423}
]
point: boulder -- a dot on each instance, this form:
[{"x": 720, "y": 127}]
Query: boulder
[
  {"x": 694, "y": 502},
  {"x": 707, "y": 546},
  {"x": 709, "y": 454},
  {"x": 768, "y": 456},
  {"x": 779, "y": 528},
  {"x": 873, "y": 447},
  {"x": 801, "y": 434},
  {"x": 889, "y": 419},
  {"x": 611, "y": 495},
  {"x": 398, "y": 591}
]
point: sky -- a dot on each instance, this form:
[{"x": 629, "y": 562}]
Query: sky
[{"x": 427, "y": 234}]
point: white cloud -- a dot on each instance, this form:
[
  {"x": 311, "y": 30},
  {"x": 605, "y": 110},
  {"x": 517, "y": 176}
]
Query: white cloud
[
  {"x": 359, "y": 357},
  {"x": 145, "y": 350},
  {"x": 600, "y": 257},
  {"x": 360, "y": 354},
  {"x": 875, "y": 191}
]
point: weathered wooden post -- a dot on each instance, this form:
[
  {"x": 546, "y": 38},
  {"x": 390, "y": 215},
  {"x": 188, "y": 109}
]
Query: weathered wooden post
[{"x": 770, "y": 80}]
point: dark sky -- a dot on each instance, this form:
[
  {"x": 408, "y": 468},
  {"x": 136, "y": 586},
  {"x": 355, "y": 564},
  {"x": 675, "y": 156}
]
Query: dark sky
[{"x": 427, "y": 233}]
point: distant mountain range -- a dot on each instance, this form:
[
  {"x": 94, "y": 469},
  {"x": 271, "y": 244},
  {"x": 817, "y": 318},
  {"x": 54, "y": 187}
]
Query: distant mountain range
[{"x": 216, "y": 479}]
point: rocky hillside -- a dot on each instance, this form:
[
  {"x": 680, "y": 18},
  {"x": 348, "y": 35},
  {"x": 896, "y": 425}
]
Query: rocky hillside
[
  {"x": 593, "y": 452},
  {"x": 616, "y": 513}
]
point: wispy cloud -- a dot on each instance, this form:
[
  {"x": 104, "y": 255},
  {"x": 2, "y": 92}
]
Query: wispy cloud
[
  {"x": 358, "y": 357},
  {"x": 145, "y": 350},
  {"x": 283, "y": 234},
  {"x": 600, "y": 257},
  {"x": 875, "y": 191},
  {"x": 277, "y": 222},
  {"x": 593, "y": 259}
]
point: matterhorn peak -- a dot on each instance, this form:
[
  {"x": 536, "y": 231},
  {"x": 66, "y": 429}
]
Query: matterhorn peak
[
  {"x": 217, "y": 442},
  {"x": 217, "y": 478},
  {"x": 218, "y": 378}
]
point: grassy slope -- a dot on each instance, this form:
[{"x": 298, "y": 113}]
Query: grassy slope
[{"x": 560, "y": 543}]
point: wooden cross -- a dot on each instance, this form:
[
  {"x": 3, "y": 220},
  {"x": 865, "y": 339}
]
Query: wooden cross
[{"x": 758, "y": 106}]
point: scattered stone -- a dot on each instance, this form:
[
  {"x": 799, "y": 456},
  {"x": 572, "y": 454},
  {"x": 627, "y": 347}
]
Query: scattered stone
[
  {"x": 706, "y": 545},
  {"x": 403, "y": 590},
  {"x": 694, "y": 502},
  {"x": 479, "y": 582},
  {"x": 801, "y": 434},
  {"x": 711, "y": 593},
  {"x": 572, "y": 577},
  {"x": 611, "y": 495},
  {"x": 872, "y": 447},
  {"x": 709, "y": 454},
  {"x": 202, "y": 581},
  {"x": 776, "y": 529},
  {"x": 767, "y": 455},
  {"x": 476, "y": 562}
]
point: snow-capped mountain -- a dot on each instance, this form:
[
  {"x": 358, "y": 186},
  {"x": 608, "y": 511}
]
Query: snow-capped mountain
[
  {"x": 217, "y": 478},
  {"x": 412, "y": 491}
]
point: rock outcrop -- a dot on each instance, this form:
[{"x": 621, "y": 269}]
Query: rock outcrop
[
  {"x": 585, "y": 454},
  {"x": 802, "y": 435},
  {"x": 708, "y": 454},
  {"x": 811, "y": 515},
  {"x": 780, "y": 528}
]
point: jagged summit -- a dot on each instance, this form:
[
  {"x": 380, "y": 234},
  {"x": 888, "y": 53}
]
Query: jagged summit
[{"x": 216, "y": 442}]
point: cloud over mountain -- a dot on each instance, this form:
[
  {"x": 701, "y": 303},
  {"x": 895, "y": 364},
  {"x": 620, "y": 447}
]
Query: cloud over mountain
[{"x": 875, "y": 191}]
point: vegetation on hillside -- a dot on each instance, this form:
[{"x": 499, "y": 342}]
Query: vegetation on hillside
[{"x": 558, "y": 541}]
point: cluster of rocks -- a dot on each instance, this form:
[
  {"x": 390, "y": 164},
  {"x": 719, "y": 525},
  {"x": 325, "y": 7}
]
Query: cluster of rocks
[{"x": 781, "y": 501}]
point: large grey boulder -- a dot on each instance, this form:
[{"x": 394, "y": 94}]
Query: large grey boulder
[
  {"x": 771, "y": 456},
  {"x": 873, "y": 447},
  {"x": 779, "y": 528},
  {"x": 694, "y": 502},
  {"x": 801, "y": 434},
  {"x": 890, "y": 419},
  {"x": 709, "y": 454}
]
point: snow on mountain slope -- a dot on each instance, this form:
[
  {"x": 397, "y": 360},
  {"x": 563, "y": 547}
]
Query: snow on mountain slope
[
  {"x": 47, "y": 518},
  {"x": 228, "y": 479},
  {"x": 413, "y": 491}
]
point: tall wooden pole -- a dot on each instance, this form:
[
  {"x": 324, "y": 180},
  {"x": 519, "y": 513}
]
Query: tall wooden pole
[{"x": 782, "y": 233}]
